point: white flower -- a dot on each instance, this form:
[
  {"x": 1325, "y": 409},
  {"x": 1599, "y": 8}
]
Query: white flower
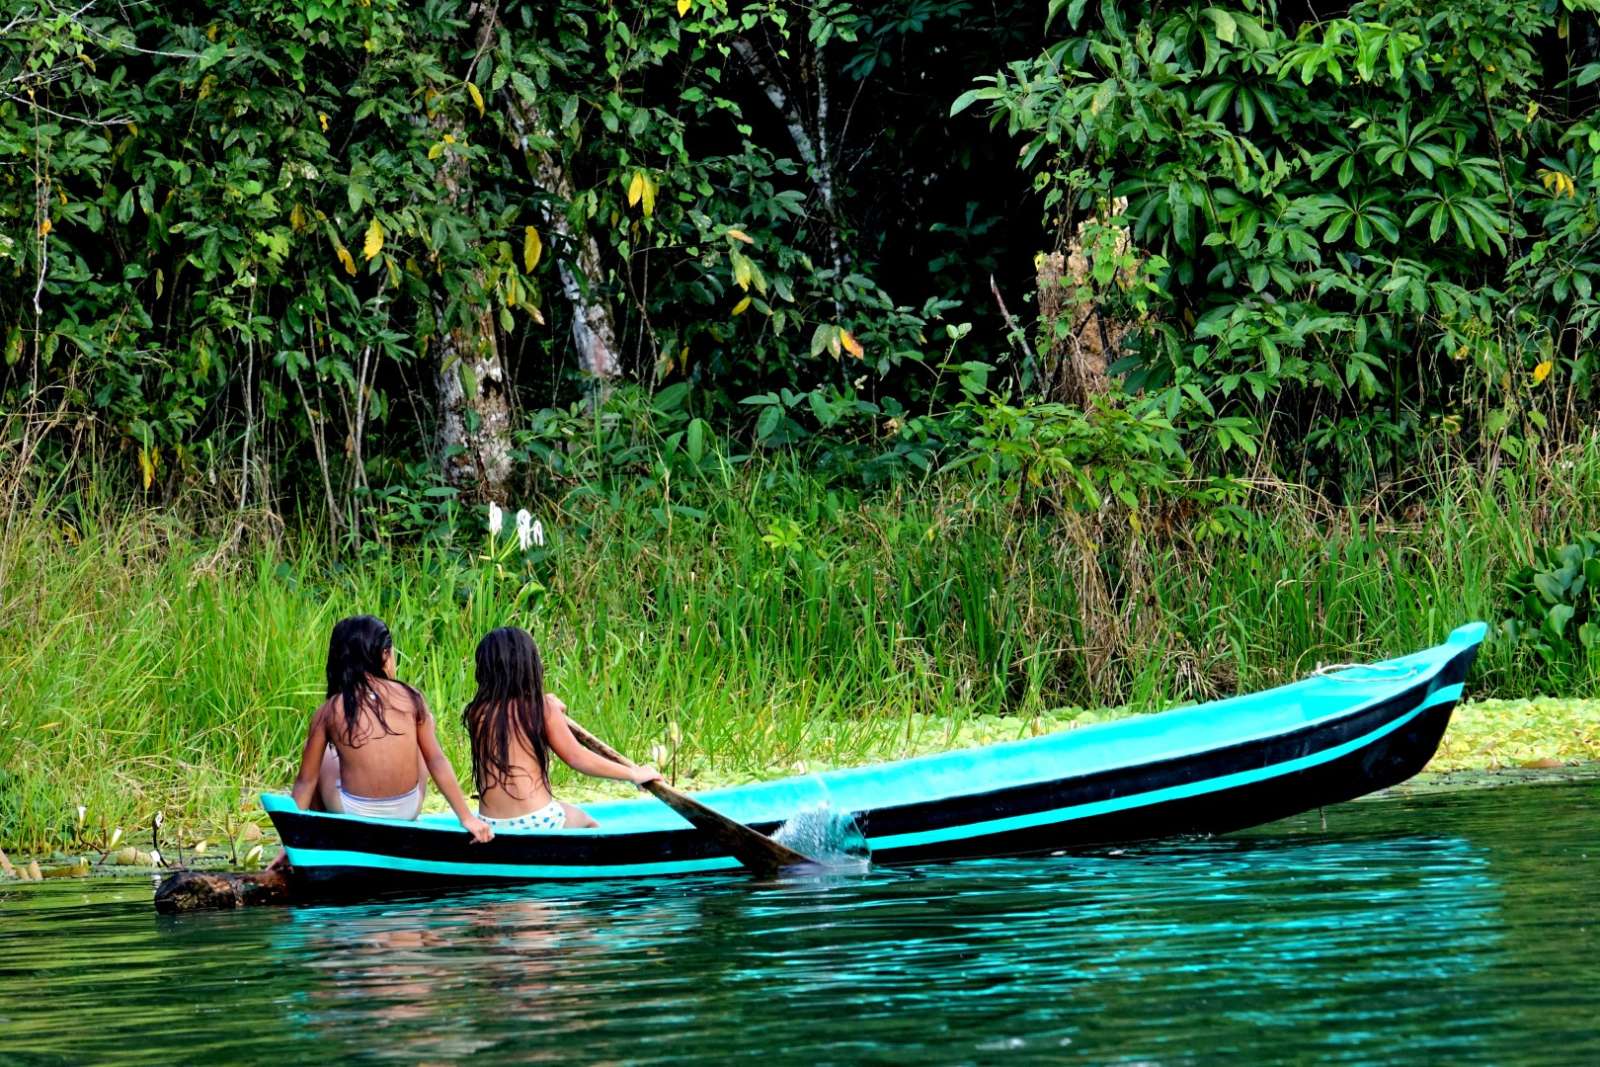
[
  {"x": 497, "y": 519},
  {"x": 82, "y": 811},
  {"x": 161, "y": 817},
  {"x": 524, "y": 529},
  {"x": 538, "y": 533}
]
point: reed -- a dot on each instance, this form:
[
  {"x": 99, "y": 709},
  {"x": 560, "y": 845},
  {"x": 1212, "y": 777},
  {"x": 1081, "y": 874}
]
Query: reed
[{"x": 758, "y": 622}]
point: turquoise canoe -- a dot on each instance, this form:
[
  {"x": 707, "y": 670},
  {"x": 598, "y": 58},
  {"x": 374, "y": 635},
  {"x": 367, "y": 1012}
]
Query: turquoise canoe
[{"x": 1205, "y": 769}]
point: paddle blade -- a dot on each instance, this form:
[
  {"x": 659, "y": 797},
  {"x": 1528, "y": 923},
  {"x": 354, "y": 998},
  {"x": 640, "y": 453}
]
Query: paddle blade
[{"x": 756, "y": 851}]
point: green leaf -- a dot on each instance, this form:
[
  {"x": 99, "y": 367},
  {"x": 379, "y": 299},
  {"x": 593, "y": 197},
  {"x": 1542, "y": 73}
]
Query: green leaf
[
  {"x": 1551, "y": 587},
  {"x": 972, "y": 96},
  {"x": 767, "y": 422},
  {"x": 695, "y": 439},
  {"x": 1226, "y": 28},
  {"x": 672, "y": 398}
]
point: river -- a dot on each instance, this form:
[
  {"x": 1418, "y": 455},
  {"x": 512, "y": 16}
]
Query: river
[{"x": 1444, "y": 928}]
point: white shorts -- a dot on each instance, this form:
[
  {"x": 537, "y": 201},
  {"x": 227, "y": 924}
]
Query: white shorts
[{"x": 406, "y": 806}]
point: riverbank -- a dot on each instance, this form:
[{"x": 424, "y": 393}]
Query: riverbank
[{"x": 752, "y": 625}]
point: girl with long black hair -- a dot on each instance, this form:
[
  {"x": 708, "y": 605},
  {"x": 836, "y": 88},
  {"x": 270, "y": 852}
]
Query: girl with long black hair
[
  {"x": 515, "y": 725},
  {"x": 371, "y": 746}
]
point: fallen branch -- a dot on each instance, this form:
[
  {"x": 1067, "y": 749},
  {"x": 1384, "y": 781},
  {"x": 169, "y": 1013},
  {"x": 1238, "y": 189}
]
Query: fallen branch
[{"x": 185, "y": 891}]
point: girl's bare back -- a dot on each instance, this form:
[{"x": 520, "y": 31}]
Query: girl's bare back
[
  {"x": 525, "y": 789},
  {"x": 375, "y": 761}
]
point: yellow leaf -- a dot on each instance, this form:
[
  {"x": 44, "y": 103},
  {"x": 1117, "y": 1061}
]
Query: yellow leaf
[
  {"x": 436, "y": 150},
  {"x": 636, "y": 188},
  {"x": 741, "y": 306},
  {"x": 147, "y": 466},
  {"x": 650, "y": 188},
  {"x": 537, "y": 315},
  {"x": 1542, "y": 371},
  {"x": 86, "y": 61},
  {"x": 513, "y": 290},
  {"x": 741, "y": 271},
  {"x": 297, "y": 218},
  {"x": 449, "y": 138},
  {"x": 45, "y": 227},
  {"x": 348, "y": 261},
  {"x": 833, "y": 341},
  {"x": 477, "y": 97},
  {"x": 683, "y": 7},
  {"x": 851, "y": 345},
  {"x": 740, "y": 235},
  {"x": 532, "y": 248},
  {"x": 374, "y": 242},
  {"x": 322, "y": 117}
]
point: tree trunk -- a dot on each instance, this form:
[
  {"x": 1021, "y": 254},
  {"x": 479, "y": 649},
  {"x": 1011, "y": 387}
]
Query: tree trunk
[
  {"x": 474, "y": 409},
  {"x": 813, "y": 150},
  {"x": 1080, "y": 340},
  {"x": 473, "y": 392},
  {"x": 594, "y": 334}
]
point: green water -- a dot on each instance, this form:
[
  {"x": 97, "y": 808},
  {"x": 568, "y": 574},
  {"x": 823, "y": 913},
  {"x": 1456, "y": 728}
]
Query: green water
[{"x": 1432, "y": 929}]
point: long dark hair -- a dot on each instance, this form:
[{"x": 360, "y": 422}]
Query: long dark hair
[
  {"x": 509, "y": 704},
  {"x": 355, "y": 658}
]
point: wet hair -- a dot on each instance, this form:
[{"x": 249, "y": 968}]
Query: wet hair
[
  {"x": 509, "y": 705},
  {"x": 355, "y": 658}
]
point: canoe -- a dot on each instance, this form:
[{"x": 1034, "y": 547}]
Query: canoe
[{"x": 1204, "y": 769}]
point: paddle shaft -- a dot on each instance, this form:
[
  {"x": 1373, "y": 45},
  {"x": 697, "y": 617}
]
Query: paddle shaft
[{"x": 756, "y": 851}]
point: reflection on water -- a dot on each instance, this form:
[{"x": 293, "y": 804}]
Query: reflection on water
[{"x": 1446, "y": 929}]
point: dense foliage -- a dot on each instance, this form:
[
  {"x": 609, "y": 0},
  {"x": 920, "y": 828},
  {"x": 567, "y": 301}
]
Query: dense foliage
[
  {"x": 242, "y": 237},
  {"x": 1364, "y": 226},
  {"x": 243, "y": 229}
]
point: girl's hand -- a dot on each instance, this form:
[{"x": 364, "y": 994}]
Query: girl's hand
[
  {"x": 641, "y": 775},
  {"x": 480, "y": 830}
]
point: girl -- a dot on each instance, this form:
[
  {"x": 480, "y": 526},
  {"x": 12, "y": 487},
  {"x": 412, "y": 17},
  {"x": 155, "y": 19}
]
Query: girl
[
  {"x": 515, "y": 725},
  {"x": 372, "y": 746}
]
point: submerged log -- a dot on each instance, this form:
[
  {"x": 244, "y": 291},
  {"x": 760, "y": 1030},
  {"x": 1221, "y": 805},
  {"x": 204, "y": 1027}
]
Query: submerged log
[{"x": 186, "y": 891}]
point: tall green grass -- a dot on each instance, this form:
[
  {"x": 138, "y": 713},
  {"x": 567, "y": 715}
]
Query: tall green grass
[{"x": 753, "y": 623}]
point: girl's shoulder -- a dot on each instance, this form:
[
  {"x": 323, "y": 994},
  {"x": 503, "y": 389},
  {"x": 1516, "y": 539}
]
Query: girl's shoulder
[{"x": 394, "y": 693}]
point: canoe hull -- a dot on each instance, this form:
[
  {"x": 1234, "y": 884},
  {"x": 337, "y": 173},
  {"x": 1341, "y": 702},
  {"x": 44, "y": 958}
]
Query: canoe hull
[{"x": 1227, "y": 786}]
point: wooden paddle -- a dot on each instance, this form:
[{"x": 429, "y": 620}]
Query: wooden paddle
[{"x": 756, "y": 851}]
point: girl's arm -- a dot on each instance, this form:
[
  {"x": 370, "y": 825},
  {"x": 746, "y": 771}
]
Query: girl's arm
[
  {"x": 444, "y": 776},
  {"x": 574, "y": 755},
  {"x": 305, "y": 783}
]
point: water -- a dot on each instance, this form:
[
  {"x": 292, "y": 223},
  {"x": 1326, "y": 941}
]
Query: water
[
  {"x": 832, "y": 839},
  {"x": 1446, "y": 929}
]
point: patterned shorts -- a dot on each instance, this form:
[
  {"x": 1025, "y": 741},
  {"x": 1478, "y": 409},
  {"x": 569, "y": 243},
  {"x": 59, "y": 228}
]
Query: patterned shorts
[{"x": 550, "y": 817}]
